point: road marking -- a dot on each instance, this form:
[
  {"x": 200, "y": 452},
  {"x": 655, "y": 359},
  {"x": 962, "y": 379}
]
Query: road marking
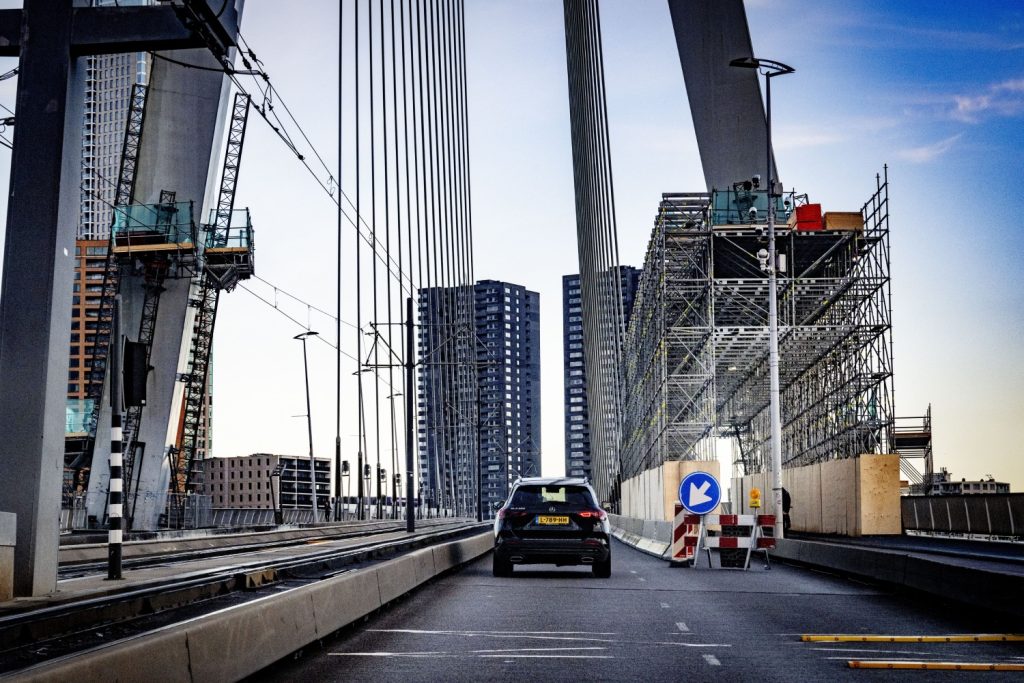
[
  {"x": 664, "y": 605},
  {"x": 389, "y": 654},
  {"x": 956, "y": 638},
  {"x": 496, "y": 633},
  {"x": 938, "y": 666},
  {"x": 641, "y": 578},
  {"x": 712, "y": 660},
  {"x": 541, "y": 649},
  {"x": 681, "y": 625},
  {"x": 859, "y": 649},
  {"x": 632, "y": 571},
  {"x": 552, "y": 656}
]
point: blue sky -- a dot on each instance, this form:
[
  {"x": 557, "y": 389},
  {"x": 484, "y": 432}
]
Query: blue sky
[{"x": 933, "y": 89}]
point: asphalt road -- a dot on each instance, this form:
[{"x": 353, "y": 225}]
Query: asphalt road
[{"x": 647, "y": 622}]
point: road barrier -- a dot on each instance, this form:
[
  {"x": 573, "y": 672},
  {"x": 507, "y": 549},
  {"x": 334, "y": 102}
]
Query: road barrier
[
  {"x": 690, "y": 535},
  {"x": 238, "y": 641},
  {"x": 998, "y": 514}
]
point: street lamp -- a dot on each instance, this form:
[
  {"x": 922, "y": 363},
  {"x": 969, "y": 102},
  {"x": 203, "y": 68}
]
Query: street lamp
[
  {"x": 770, "y": 69},
  {"x": 309, "y": 417}
]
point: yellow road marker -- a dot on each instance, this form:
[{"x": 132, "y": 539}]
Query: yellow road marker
[
  {"x": 954, "y": 638},
  {"x": 934, "y": 666}
]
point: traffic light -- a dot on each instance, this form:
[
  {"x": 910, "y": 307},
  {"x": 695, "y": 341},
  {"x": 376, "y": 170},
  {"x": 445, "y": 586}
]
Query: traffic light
[
  {"x": 398, "y": 478},
  {"x": 381, "y": 474},
  {"x": 344, "y": 467},
  {"x": 366, "y": 471}
]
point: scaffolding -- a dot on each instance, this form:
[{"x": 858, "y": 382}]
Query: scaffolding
[{"x": 696, "y": 350}]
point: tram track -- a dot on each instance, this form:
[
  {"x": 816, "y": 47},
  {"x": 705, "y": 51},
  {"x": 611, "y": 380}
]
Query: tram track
[{"x": 37, "y": 634}]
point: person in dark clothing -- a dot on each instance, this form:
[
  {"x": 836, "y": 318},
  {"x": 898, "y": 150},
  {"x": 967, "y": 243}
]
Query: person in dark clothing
[{"x": 787, "y": 502}]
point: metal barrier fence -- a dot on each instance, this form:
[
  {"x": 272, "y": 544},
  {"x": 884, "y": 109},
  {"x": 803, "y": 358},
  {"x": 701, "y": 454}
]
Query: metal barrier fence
[
  {"x": 187, "y": 511},
  {"x": 999, "y": 514}
]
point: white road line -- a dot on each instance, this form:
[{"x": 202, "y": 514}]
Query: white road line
[
  {"x": 496, "y": 633},
  {"x": 664, "y": 605},
  {"x": 550, "y": 656},
  {"x": 681, "y": 625},
  {"x": 389, "y": 654},
  {"x": 632, "y": 571},
  {"x": 678, "y": 644},
  {"x": 712, "y": 660},
  {"x": 890, "y": 652},
  {"x": 540, "y": 649},
  {"x": 899, "y": 659},
  {"x": 641, "y": 578}
]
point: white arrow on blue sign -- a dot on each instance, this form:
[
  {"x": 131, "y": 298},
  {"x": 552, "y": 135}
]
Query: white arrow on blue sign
[{"x": 699, "y": 493}]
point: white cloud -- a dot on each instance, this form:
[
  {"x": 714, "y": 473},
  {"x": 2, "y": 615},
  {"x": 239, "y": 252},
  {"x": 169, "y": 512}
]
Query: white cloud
[
  {"x": 804, "y": 137},
  {"x": 926, "y": 153},
  {"x": 1001, "y": 99}
]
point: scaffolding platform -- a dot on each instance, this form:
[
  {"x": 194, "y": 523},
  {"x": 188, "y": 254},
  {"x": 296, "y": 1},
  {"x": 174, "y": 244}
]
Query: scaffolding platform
[
  {"x": 696, "y": 349},
  {"x": 150, "y": 228},
  {"x": 228, "y": 250}
]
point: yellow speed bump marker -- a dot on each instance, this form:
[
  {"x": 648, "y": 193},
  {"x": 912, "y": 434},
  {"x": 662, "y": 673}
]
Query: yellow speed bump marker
[
  {"x": 935, "y": 666},
  {"x": 954, "y": 638}
]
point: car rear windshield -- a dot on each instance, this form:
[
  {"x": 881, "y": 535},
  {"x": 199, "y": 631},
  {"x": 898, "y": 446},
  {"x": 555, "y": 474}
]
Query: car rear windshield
[{"x": 554, "y": 494}]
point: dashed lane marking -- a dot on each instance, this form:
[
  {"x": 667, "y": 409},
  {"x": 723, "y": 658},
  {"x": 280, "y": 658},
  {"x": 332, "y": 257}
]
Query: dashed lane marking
[
  {"x": 681, "y": 625},
  {"x": 664, "y": 605},
  {"x": 712, "y": 660}
]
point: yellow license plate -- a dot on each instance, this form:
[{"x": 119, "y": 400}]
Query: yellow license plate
[{"x": 547, "y": 519}]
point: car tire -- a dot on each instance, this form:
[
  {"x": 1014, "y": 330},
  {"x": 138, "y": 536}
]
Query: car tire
[
  {"x": 501, "y": 568},
  {"x": 603, "y": 570}
]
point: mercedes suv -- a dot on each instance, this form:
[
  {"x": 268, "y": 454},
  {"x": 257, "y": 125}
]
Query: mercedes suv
[{"x": 552, "y": 521}]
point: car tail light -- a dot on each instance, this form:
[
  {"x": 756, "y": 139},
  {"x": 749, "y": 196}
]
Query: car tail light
[{"x": 596, "y": 514}]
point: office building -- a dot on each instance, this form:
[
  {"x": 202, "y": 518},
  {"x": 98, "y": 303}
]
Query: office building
[
  {"x": 577, "y": 412},
  {"x": 479, "y": 392},
  {"x": 260, "y": 479}
]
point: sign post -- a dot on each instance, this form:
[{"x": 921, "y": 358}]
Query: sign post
[{"x": 699, "y": 494}]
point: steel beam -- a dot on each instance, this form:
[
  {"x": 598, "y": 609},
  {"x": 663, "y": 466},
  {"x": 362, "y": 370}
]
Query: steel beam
[
  {"x": 35, "y": 324},
  {"x": 728, "y": 115}
]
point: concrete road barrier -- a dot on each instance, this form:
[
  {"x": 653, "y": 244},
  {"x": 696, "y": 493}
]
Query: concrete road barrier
[{"x": 238, "y": 641}]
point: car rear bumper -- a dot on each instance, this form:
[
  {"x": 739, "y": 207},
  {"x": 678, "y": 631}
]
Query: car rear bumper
[{"x": 519, "y": 550}]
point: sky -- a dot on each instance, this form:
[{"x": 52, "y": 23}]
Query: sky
[{"x": 934, "y": 90}]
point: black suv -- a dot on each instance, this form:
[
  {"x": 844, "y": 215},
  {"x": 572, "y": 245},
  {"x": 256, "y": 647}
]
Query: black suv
[{"x": 552, "y": 521}]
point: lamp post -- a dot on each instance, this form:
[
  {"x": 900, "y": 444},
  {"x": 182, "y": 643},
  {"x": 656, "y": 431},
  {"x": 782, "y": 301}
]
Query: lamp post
[
  {"x": 309, "y": 417},
  {"x": 770, "y": 69}
]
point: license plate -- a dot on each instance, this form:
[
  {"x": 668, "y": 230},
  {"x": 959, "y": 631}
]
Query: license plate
[{"x": 556, "y": 521}]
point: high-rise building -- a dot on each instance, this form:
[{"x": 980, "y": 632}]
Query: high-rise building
[
  {"x": 577, "y": 415},
  {"x": 498, "y": 399}
]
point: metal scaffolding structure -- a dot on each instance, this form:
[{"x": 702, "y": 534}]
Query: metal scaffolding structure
[{"x": 696, "y": 350}]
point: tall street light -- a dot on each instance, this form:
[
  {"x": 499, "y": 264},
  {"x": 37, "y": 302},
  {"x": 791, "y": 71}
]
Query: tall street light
[
  {"x": 770, "y": 69},
  {"x": 309, "y": 416}
]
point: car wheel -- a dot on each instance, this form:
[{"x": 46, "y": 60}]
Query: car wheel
[
  {"x": 603, "y": 570},
  {"x": 501, "y": 567}
]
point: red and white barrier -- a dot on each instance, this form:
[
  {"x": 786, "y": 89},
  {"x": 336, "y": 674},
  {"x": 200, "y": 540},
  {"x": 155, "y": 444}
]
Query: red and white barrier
[{"x": 690, "y": 535}]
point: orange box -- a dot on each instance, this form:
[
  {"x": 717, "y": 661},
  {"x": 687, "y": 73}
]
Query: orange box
[{"x": 844, "y": 220}]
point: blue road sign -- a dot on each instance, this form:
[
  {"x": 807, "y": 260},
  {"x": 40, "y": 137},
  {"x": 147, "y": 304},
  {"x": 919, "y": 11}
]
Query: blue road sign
[{"x": 699, "y": 493}]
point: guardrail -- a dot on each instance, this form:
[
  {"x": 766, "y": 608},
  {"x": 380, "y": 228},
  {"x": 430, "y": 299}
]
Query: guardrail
[{"x": 999, "y": 514}]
